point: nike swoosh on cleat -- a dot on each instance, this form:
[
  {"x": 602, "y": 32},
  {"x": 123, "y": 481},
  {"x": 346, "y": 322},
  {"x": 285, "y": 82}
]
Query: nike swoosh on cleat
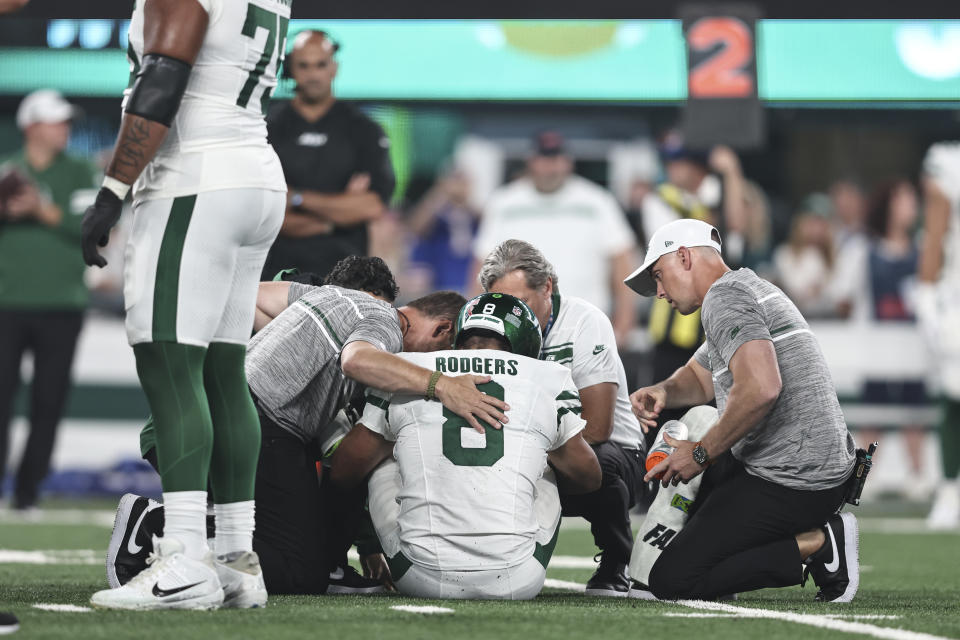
[
  {"x": 834, "y": 563},
  {"x": 132, "y": 545},
  {"x": 163, "y": 593}
]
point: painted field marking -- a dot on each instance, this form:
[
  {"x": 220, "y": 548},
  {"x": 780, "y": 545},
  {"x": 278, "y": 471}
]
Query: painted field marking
[
  {"x": 51, "y": 556},
  {"x": 820, "y": 621},
  {"x": 833, "y": 621},
  {"x": 563, "y": 584},
  {"x": 409, "y": 608},
  {"x": 66, "y": 517},
  {"x": 64, "y": 608},
  {"x": 838, "y": 616}
]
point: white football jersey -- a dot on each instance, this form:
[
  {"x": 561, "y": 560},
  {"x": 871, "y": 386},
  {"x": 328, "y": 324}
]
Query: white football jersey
[
  {"x": 581, "y": 339},
  {"x": 467, "y": 499},
  {"x": 942, "y": 165},
  {"x": 218, "y": 138}
]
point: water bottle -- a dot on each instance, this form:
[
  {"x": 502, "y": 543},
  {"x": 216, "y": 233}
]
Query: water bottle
[{"x": 660, "y": 449}]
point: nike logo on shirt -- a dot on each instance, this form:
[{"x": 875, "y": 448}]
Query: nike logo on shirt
[{"x": 163, "y": 593}]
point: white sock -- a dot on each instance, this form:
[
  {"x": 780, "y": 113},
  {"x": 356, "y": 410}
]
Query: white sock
[
  {"x": 234, "y": 527},
  {"x": 185, "y": 519}
]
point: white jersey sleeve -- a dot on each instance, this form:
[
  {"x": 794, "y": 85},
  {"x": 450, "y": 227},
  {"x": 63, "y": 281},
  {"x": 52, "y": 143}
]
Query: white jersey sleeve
[
  {"x": 942, "y": 165},
  {"x": 569, "y": 422},
  {"x": 375, "y": 414},
  {"x": 595, "y": 356}
]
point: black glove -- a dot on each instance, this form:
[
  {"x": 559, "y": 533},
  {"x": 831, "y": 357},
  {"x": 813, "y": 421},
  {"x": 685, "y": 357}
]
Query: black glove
[{"x": 98, "y": 219}]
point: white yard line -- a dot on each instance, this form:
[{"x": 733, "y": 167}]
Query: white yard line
[
  {"x": 64, "y": 608},
  {"x": 866, "y": 616},
  {"x": 51, "y": 556},
  {"x": 95, "y": 517},
  {"x": 822, "y": 621},
  {"x": 563, "y": 584},
  {"x": 831, "y": 621},
  {"x": 409, "y": 608}
]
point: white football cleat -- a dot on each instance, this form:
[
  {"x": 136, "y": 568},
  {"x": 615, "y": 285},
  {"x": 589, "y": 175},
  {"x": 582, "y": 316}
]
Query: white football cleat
[
  {"x": 242, "y": 580},
  {"x": 945, "y": 512},
  {"x": 171, "y": 581}
]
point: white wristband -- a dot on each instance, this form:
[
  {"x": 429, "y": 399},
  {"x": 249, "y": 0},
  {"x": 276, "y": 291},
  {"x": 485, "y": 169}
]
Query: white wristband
[{"x": 119, "y": 189}]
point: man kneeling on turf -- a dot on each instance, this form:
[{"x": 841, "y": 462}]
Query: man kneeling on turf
[{"x": 478, "y": 516}]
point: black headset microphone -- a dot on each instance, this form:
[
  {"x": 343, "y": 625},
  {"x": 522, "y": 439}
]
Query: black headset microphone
[{"x": 286, "y": 71}]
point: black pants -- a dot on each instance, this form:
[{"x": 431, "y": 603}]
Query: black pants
[
  {"x": 52, "y": 338},
  {"x": 289, "y": 536},
  {"x": 303, "y": 528},
  {"x": 741, "y": 535},
  {"x": 608, "y": 508}
]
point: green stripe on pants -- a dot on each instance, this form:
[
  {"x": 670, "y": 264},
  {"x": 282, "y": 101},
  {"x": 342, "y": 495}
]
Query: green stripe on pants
[
  {"x": 167, "y": 283},
  {"x": 543, "y": 552}
]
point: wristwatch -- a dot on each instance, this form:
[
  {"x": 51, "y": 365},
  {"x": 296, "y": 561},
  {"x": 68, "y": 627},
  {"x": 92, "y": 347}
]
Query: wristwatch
[
  {"x": 296, "y": 200},
  {"x": 700, "y": 455}
]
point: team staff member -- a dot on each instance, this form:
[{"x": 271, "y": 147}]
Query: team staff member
[
  {"x": 782, "y": 450},
  {"x": 579, "y": 336},
  {"x": 42, "y": 294},
  {"x": 336, "y": 162}
]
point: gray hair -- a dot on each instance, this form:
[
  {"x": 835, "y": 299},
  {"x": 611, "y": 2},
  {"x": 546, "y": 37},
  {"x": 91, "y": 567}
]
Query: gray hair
[{"x": 511, "y": 255}]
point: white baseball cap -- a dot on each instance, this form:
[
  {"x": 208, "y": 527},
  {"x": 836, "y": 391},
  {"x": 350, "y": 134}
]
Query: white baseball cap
[
  {"x": 667, "y": 239},
  {"x": 44, "y": 105}
]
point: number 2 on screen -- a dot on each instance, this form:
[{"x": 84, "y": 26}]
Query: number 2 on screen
[{"x": 724, "y": 73}]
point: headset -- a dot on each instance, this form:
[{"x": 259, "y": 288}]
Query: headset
[{"x": 285, "y": 70}]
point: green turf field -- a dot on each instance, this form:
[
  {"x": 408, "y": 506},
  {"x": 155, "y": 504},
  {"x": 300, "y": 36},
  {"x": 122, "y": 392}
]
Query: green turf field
[{"x": 910, "y": 590}]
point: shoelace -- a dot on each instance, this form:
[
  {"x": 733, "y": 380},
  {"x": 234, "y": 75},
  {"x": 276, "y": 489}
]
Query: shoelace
[{"x": 147, "y": 574}]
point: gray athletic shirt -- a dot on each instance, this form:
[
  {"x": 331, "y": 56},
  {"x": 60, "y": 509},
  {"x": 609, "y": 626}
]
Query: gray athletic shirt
[
  {"x": 293, "y": 364},
  {"x": 803, "y": 443}
]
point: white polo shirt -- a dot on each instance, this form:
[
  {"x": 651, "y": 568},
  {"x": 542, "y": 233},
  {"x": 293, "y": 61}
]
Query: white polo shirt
[
  {"x": 578, "y": 228},
  {"x": 581, "y": 338}
]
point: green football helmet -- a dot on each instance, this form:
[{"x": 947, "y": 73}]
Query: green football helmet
[{"x": 503, "y": 314}]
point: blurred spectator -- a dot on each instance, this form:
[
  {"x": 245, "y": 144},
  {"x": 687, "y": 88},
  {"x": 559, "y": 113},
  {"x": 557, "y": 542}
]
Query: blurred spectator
[
  {"x": 336, "y": 161},
  {"x": 757, "y": 230},
  {"x": 891, "y": 272},
  {"x": 639, "y": 189},
  {"x": 42, "y": 295},
  {"x": 575, "y": 223},
  {"x": 803, "y": 266},
  {"x": 849, "y": 206},
  {"x": 445, "y": 224},
  {"x": 850, "y": 243}
]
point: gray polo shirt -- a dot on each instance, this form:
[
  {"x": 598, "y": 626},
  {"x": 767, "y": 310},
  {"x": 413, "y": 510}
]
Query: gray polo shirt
[
  {"x": 803, "y": 443},
  {"x": 293, "y": 364}
]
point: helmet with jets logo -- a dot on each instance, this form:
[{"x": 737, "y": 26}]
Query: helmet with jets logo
[{"x": 505, "y": 315}]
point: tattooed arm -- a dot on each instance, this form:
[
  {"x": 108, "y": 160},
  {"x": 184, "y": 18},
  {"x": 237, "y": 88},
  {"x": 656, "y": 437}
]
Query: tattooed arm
[{"x": 173, "y": 28}]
